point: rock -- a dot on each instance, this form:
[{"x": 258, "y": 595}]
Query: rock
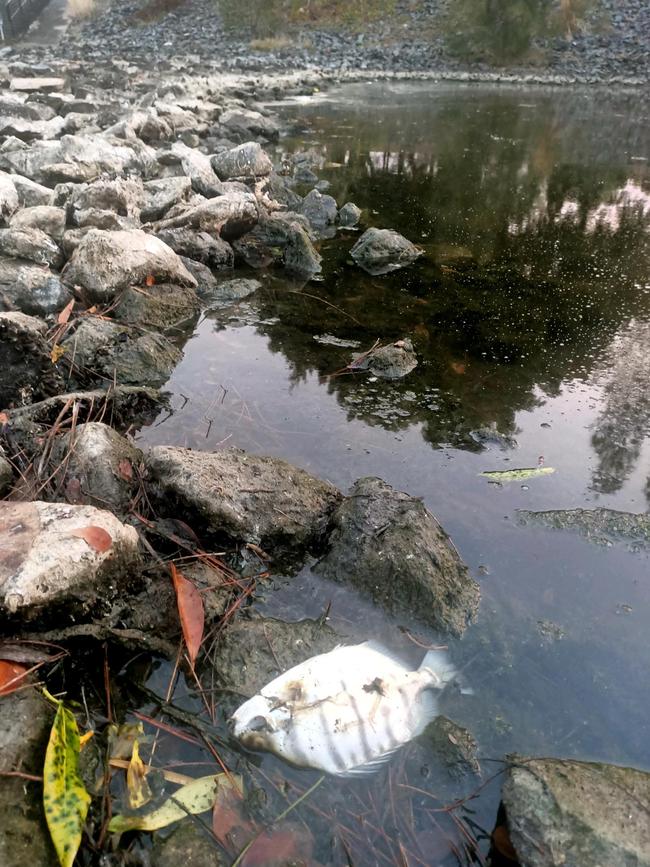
[
  {"x": 188, "y": 845},
  {"x": 47, "y": 567},
  {"x": 248, "y": 160},
  {"x": 379, "y": 251},
  {"x": 210, "y": 250},
  {"x": 31, "y": 245},
  {"x": 453, "y": 746},
  {"x": 9, "y": 201},
  {"x": 278, "y": 190},
  {"x": 321, "y": 211},
  {"x": 584, "y": 814},
  {"x": 162, "y": 307},
  {"x": 280, "y": 238},
  {"x": 198, "y": 168},
  {"x": 256, "y": 650},
  {"x": 36, "y": 85},
  {"x": 31, "y": 288},
  {"x": 31, "y": 194},
  {"x": 108, "y": 221},
  {"x": 106, "y": 350},
  {"x": 102, "y": 463},
  {"x": 390, "y": 362},
  {"x": 245, "y": 121},
  {"x": 349, "y": 215},
  {"x": 162, "y": 194},
  {"x": 44, "y": 217},
  {"x": 229, "y": 216},
  {"x": 105, "y": 262},
  {"x": 123, "y": 196},
  {"x": 601, "y": 526},
  {"x": 490, "y": 436},
  {"x": 31, "y": 130},
  {"x": 25, "y": 722},
  {"x": 6, "y": 470},
  {"x": 386, "y": 543},
  {"x": 205, "y": 279},
  {"x": 227, "y": 291},
  {"x": 243, "y": 498}
]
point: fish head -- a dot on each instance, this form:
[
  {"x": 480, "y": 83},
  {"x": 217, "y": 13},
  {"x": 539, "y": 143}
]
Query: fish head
[{"x": 259, "y": 724}]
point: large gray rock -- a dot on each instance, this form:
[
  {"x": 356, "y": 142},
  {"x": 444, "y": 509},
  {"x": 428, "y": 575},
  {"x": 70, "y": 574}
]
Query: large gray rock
[
  {"x": 99, "y": 465},
  {"x": 229, "y": 216},
  {"x": 80, "y": 158},
  {"x": 280, "y": 238},
  {"x": 390, "y": 362},
  {"x": 210, "y": 250},
  {"x": 25, "y": 722},
  {"x": 31, "y": 130},
  {"x": 227, "y": 291},
  {"x": 44, "y": 217},
  {"x": 387, "y": 544},
  {"x": 106, "y": 262},
  {"x": 31, "y": 245},
  {"x": 123, "y": 196},
  {"x": 163, "y": 307},
  {"x": 9, "y": 201},
  {"x": 205, "y": 279},
  {"x": 243, "y": 498},
  {"x": 246, "y": 121},
  {"x": 46, "y": 565},
  {"x": 563, "y": 813},
  {"x": 103, "y": 350},
  {"x": 161, "y": 194},
  {"x": 31, "y": 288},
  {"x": 349, "y": 215},
  {"x": 31, "y": 194},
  {"x": 320, "y": 210},
  {"x": 379, "y": 251},
  {"x": 198, "y": 168},
  {"x": 247, "y": 160}
]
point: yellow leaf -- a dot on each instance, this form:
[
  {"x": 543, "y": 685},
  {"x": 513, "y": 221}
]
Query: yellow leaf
[
  {"x": 65, "y": 799},
  {"x": 83, "y": 740},
  {"x": 57, "y": 353},
  {"x": 196, "y": 797},
  {"x": 138, "y": 791},
  {"x": 170, "y": 776}
]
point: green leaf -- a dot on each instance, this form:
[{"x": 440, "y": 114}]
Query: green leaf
[
  {"x": 65, "y": 798},
  {"x": 517, "y": 475},
  {"x": 196, "y": 797}
]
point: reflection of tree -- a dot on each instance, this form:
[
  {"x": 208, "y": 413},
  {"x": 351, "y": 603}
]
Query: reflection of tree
[
  {"x": 534, "y": 296},
  {"x": 624, "y": 421}
]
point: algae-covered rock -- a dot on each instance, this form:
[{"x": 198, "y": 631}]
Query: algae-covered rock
[
  {"x": 601, "y": 526},
  {"x": 379, "y": 251}
]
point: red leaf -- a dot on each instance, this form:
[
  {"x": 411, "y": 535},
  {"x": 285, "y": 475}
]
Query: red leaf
[
  {"x": 11, "y": 676},
  {"x": 97, "y": 537},
  {"x": 64, "y": 315},
  {"x": 125, "y": 470},
  {"x": 4, "y": 418},
  {"x": 190, "y": 610},
  {"x": 151, "y": 280}
]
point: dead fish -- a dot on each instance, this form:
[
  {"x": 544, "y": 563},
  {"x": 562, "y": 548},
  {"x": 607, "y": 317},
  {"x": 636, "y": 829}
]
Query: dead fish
[{"x": 345, "y": 712}]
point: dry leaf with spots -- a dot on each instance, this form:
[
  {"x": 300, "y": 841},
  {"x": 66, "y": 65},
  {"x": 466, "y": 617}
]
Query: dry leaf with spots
[{"x": 96, "y": 537}]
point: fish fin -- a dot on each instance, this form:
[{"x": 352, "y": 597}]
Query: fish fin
[
  {"x": 370, "y": 767},
  {"x": 439, "y": 663},
  {"x": 378, "y": 647},
  {"x": 428, "y": 710}
]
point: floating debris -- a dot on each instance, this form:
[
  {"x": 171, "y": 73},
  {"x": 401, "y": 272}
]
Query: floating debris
[{"x": 501, "y": 476}]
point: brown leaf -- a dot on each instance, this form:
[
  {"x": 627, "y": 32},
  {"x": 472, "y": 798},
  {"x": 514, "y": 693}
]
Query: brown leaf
[
  {"x": 97, "y": 537},
  {"x": 57, "y": 353},
  {"x": 501, "y": 840},
  {"x": 289, "y": 844},
  {"x": 191, "y": 613},
  {"x": 151, "y": 280},
  {"x": 229, "y": 826},
  {"x": 4, "y": 418},
  {"x": 458, "y": 367},
  {"x": 64, "y": 315},
  {"x": 125, "y": 470},
  {"x": 12, "y": 676}
]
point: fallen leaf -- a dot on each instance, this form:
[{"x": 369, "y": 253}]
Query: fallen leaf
[
  {"x": 285, "y": 845},
  {"x": 458, "y": 367},
  {"x": 517, "y": 475},
  {"x": 64, "y": 315},
  {"x": 229, "y": 826},
  {"x": 57, "y": 353},
  {"x": 194, "y": 798},
  {"x": 191, "y": 612},
  {"x": 151, "y": 280},
  {"x": 138, "y": 791},
  {"x": 125, "y": 470},
  {"x": 11, "y": 676},
  {"x": 97, "y": 537},
  {"x": 83, "y": 740},
  {"x": 170, "y": 776},
  {"x": 65, "y": 799},
  {"x": 4, "y": 418},
  {"x": 121, "y": 739}
]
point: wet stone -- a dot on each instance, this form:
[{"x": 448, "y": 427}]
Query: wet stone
[
  {"x": 162, "y": 307},
  {"x": 390, "y": 362},
  {"x": 380, "y": 251},
  {"x": 27, "y": 370}
]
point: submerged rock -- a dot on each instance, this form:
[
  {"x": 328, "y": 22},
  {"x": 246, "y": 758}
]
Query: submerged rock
[
  {"x": 601, "y": 526},
  {"x": 386, "y": 543},
  {"x": 349, "y": 215},
  {"x": 105, "y": 262},
  {"x": 61, "y": 559},
  {"x": 379, "y": 251},
  {"x": 390, "y": 362},
  {"x": 320, "y": 210},
  {"x": 27, "y": 370},
  {"x": 242, "y": 498},
  {"x": 284, "y": 239},
  {"x": 583, "y": 814},
  {"x": 227, "y": 291},
  {"x": 247, "y": 160},
  {"x": 6, "y": 473},
  {"x": 31, "y": 288},
  {"x": 188, "y": 844},
  {"x": 161, "y": 307}
]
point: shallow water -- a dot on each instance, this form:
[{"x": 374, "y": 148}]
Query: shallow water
[{"x": 530, "y": 315}]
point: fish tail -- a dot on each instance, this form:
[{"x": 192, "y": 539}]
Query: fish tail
[{"x": 442, "y": 668}]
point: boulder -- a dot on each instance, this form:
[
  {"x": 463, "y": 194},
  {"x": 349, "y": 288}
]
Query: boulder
[
  {"x": 123, "y": 196},
  {"x": 229, "y": 216},
  {"x": 386, "y": 543},
  {"x": 349, "y": 215},
  {"x": 243, "y": 498},
  {"x": 205, "y": 279},
  {"x": 6, "y": 470},
  {"x": 390, "y": 362},
  {"x": 583, "y": 814},
  {"x": 31, "y": 194},
  {"x": 32, "y": 130},
  {"x": 62, "y": 559},
  {"x": 100, "y": 466},
  {"x": 247, "y": 160},
  {"x": 106, "y": 262},
  {"x": 48, "y": 219},
  {"x": 210, "y": 250},
  {"x": 379, "y": 251},
  {"x": 245, "y": 121},
  {"x": 25, "y": 721},
  {"x": 108, "y": 221},
  {"x": 9, "y": 201},
  {"x": 280, "y": 238},
  {"x": 320, "y": 210},
  {"x": 227, "y": 291},
  {"x": 163, "y": 306},
  {"x": 198, "y": 168},
  {"x": 162, "y": 194},
  {"x": 31, "y": 245},
  {"x": 31, "y": 288},
  {"x": 40, "y": 84},
  {"x": 104, "y": 350}
]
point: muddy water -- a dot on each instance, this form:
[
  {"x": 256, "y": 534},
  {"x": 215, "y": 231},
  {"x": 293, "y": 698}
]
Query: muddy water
[{"x": 530, "y": 314}]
